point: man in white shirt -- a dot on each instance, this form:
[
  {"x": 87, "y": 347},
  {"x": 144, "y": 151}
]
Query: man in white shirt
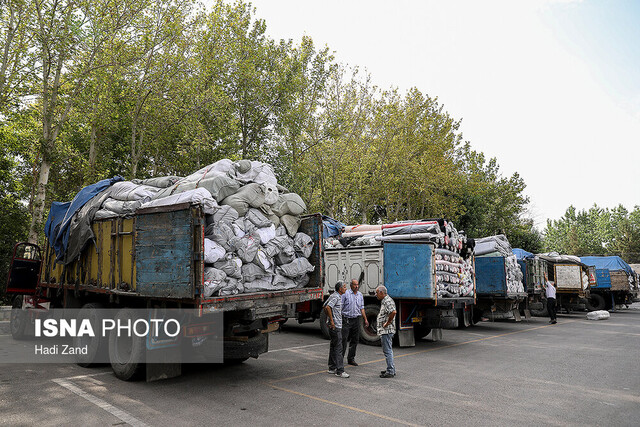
[{"x": 550, "y": 292}]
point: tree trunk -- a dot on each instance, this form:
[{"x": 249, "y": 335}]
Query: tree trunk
[{"x": 38, "y": 201}]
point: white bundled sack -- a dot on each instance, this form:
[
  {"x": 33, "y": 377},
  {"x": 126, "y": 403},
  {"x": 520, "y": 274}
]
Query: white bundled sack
[
  {"x": 251, "y": 272},
  {"x": 225, "y": 214},
  {"x": 121, "y": 207},
  {"x": 257, "y": 218},
  {"x": 127, "y": 191},
  {"x": 598, "y": 315},
  {"x": 231, "y": 265},
  {"x": 253, "y": 171},
  {"x": 291, "y": 224},
  {"x": 263, "y": 260},
  {"x": 231, "y": 287},
  {"x": 222, "y": 234},
  {"x": 296, "y": 268},
  {"x": 267, "y": 234},
  {"x": 247, "y": 247},
  {"x": 199, "y": 196},
  {"x": 289, "y": 204},
  {"x": 281, "y": 282},
  {"x": 258, "y": 285},
  {"x": 278, "y": 244},
  {"x": 213, "y": 280},
  {"x": 271, "y": 193},
  {"x": 212, "y": 251},
  {"x": 303, "y": 244}
]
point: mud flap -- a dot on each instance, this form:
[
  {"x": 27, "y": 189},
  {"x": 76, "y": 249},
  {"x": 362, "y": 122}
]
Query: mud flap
[
  {"x": 406, "y": 338},
  {"x": 157, "y": 367}
]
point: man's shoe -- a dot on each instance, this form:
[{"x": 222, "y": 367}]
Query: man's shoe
[
  {"x": 387, "y": 375},
  {"x": 383, "y": 372},
  {"x": 352, "y": 362},
  {"x": 342, "y": 375},
  {"x": 331, "y": 371},
  {"x": 554, "y": 322}
]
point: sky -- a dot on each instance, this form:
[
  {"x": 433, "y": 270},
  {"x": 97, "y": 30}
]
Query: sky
[{"x": 549, "y": 88}]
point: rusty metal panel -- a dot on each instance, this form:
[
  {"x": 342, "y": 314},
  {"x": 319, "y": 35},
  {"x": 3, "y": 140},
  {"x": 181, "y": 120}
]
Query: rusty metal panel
[{"x": 164, "y": 254}]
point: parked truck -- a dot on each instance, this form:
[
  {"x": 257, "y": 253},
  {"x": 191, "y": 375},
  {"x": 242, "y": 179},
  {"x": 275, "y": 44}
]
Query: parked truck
[
  {"x": 408, "y": 271},
  {"x": 616, "y": 282},
  {"x": 571, "y": 278},
  {"x": 154, "y": 259},
  {"x": 495, "y": 298},
  {"x": 533, "y": 271}
]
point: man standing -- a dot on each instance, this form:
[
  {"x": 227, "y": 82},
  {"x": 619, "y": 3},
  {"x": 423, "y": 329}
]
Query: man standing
[
  {"x": 333, "y": 309},
  {"x": 550, "y": 292},
  {"x": 352, "y": 309},
  {"x": 386, "y": 329}
]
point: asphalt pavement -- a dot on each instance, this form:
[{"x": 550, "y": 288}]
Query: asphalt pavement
[{"x": 577, "y": 372}]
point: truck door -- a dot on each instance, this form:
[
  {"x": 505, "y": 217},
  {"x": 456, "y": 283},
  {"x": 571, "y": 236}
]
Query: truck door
[
  {"x": 24, "y": 273},
  {"x": 409, "y": 270}
]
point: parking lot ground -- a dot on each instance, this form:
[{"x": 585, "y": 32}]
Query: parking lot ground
[{"x": 577, "y": 372}]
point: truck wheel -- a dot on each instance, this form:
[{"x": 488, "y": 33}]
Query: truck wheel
[
  {"x": 324, "y": 328},
  {"x": 369, "y": 336},
  {"x": 98, "y": 346},
  {"x": 595, "y": 302},
  {"x": 420, "y": 331},
  {"x": 18, "y": 320},
  {"x": 543, "y": 312},
  {"x": 126, "y": 353}
]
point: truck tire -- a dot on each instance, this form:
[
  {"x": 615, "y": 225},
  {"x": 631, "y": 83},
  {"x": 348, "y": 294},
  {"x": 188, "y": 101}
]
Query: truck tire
[
  {"x": 126, "y": 353},
  {"x": 543, "y": 312},
  {"x": 595, "y": 302},
  {"x": 324, "y": 328},
  {"x": 18, "y": 320},
  {"x": 369, "y": 336},
  {"x": 98, "y": 346}
]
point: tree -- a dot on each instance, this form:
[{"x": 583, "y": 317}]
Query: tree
[{"x": 16, "y": 19}]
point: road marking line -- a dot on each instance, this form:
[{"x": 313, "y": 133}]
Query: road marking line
[
  {"x": 352, "y": 408},
  {"x": 116, "y": 412},
  {"x": 77, "y": 377},
  {"x": 295, "y": 348},
  {"x": 428, "y": 350}
]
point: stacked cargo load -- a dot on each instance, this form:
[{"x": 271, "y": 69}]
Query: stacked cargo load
[
  {"x": 453, "y": 250},
  {"x": 499, "y": 246},
  {"x": 251, "y": 243}
]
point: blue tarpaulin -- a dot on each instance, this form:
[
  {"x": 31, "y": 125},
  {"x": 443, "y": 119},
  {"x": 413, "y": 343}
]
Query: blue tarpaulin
[
  {"x": 607, "y": 262},
  {"x": 59, "y": 220},
  {"x": 331, "y": 227},
  {"x": 521, "y": 253}
]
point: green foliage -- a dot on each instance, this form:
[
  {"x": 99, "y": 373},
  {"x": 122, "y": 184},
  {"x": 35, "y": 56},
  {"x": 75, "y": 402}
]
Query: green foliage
[
  {"x": 596, "y": 231},
  {"x": 146, "y": 88}
]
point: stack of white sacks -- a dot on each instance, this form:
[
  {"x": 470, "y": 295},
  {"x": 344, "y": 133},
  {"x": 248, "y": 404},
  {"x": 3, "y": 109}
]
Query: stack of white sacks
[
  {"x": 252, "y": 241},
  {"x": 500, "y": 246}
]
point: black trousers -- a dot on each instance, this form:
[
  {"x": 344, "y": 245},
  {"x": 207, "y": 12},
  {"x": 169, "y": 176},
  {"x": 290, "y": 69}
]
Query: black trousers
[
  {"x": 551, "y": 307},
  {"x": 336, "y": 360},
  {"x": 350, "y": 334}
]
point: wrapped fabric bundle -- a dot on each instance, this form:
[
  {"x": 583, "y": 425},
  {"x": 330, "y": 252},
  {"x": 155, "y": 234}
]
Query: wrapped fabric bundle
[
  {"x": 251, "y": 272},
  {"x": 264, "y": 261},
  {"x": 303, "y": 244},
  {"x": 231, "y": 287},
  {"x": 279, "y": 244},
  {"x": 252, "y": 171},
  {"x": 297, "y": 267},
  {"x": 212, "y": 251},
  {"x": 121, "y": 207},
  {"x": 282, "y": 282},
  {"x": 271, "y": 193},
  {"x": 222, "y": 234},
  {"x": 598, "y": 315},
  {"x": 247, "y": 247},
  {"x": 301, "y": 281},
  {"x": 231, "y": 265},
  {"x": 219, "y": 186},
  {"x": 213, "y": 280},
  {"x": 266, "y": 209},
  {"x": 289, "y": 204},
  {"x": 490, "y": 244},
  {"x": 291, "y": 224},
  {"x": 225, "y": 214},
  {"x": 257, "y": 218},
  {"x": 251, "y": 195},
  {"x": 128, "y": 191},
  {"x": 160, "y": 182},
  {"x": 105, "y": 214},
  {"x": 414, "y": 228},
  {"x": 259, "y": 285},
  {"x": 198, "y": 196}
]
